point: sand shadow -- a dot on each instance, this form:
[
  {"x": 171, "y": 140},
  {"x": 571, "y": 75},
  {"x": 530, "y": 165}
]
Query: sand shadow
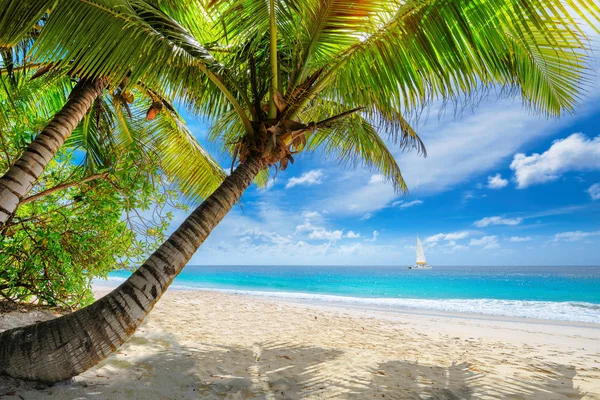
[
  {"x": 266, "y": 370},
  {"x": 160, "y": 368},
  {"x": 164, "y": 370},
  {"x": 172, "y": 371},
  {"x": 465, "y": 382},
  {"x": 546, "y": 381}
]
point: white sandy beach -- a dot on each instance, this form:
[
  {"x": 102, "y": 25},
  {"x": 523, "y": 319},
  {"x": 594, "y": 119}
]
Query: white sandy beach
[{"x": 199, "y": 344}]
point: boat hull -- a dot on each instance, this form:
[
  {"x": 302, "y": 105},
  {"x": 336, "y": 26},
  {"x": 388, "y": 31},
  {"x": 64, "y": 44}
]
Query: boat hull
[{"x": 418, "y": 267}]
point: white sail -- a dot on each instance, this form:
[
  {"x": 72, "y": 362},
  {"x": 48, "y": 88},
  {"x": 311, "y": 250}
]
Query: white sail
[{"x": 420, "y": 254}]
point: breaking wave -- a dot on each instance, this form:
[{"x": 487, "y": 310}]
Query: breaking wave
[{"x": 548, "y": 310}]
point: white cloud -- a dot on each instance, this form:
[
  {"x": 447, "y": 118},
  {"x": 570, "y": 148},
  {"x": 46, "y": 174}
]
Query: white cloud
[
  {"x": 457, "y": 235},
  {"x": 468, "y": 195},
  {"x": 311, "y": 214},
  {"x": 556, "y": 211},
  {"x": 434, "y": 238},
  {"x": 460, "y": 149},
  {"x": 305, "y": 227},
  {"x": 453, "y": 236},
  {"x": 411, "y": 203},
  {"x": 487, "y": 221},
  {"x": 374, "y": 238},
  {"x": 458, "y": 247},
  {"x": 487, "y": 242},
  {"x": 574, "y": 236},
  {"x": 318, "y": 232},
  {"x": 574, "y": 153},
  {"x": 375, "y": 179},
  {"x": 352, "y": 235},
  {"x": 496, "y": 182},
  {"x": 594, "y": 191},
  {"x": 268, "y": 236},
  {"x": 353, "y": 249},
  {"x": 270, "y": 184},
  {"x": 349, "y": 197},
  {"x": 397, "y": 203},
  {"x": 517, "y": 239},
  {"x": 269, "y": 224},
  {"x": 366, "y": 217},
  {"x": 306, "y": 179},
  {"x": 323, "y": 234}
]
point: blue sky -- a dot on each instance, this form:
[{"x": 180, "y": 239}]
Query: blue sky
[{"x": 500, "y": 186}]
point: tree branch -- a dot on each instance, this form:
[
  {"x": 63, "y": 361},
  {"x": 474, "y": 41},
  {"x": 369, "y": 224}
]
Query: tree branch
[
  {"x": 62, "y": 186},
  {"x": 327, "y": 122}
]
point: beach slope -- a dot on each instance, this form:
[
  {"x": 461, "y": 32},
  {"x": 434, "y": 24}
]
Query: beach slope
[{"x": 200, "y": 344}]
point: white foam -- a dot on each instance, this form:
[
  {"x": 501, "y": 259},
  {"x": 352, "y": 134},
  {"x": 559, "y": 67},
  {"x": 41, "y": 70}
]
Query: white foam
[
  {"x": 109, "y": 282},
  {"x": 549, "y": 310}
]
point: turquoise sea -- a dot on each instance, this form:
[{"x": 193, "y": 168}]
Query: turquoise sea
[{"x": 569, "y": 293}]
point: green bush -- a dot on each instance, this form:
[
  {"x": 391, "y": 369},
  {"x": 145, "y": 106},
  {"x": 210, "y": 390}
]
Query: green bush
[{"x": 56, "y": 244}]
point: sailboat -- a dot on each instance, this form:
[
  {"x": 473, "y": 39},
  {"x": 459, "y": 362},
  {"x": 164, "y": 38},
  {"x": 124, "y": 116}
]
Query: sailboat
[{"x": 421, "y": 261}]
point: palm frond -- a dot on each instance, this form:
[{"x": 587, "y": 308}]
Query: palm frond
[
  {"x": 113, "y": 129},
  {"x": 133, "y": 41},
  {"x": 27, "y": 102},
  {"x": 353, "y": 141},
  {"x": 329, "y": 26},
  {"x": 262, "y": 178},
  {"x": 449, "y": 49},
  {"x": 227, "y": 131},
  {"x": 185, "y": 161},
  {"x": 18, "y": 17},
  {"x": 94, "y": 135}
]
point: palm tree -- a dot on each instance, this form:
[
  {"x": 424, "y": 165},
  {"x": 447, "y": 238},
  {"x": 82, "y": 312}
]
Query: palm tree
[
  {"x": 114, "y": 141},
  {"x": 113, "y": 124},
  {"x": 21, "y": 176},
  {"x": 287, "y": 77},
  {"x": 110, "y": 122},
  {"x": 135, "y": 46}
]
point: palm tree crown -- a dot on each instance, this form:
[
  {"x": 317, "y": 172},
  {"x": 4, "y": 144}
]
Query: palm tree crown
[{"x": 272, "y": 74}]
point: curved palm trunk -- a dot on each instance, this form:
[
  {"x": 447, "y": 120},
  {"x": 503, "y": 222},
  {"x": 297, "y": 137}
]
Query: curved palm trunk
[
  {"x": 21, "y": 177},
  {"x": 61, "y": 348}
]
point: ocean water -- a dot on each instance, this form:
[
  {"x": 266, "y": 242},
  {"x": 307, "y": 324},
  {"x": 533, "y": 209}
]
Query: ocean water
[{"x": 570, "y": 293}]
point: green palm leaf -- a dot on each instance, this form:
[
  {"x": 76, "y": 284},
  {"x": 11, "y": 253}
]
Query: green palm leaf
[
  {"x": 17, "y": 17},
  {"x": 26, "y": 102},
  {"x": 388, "y": 58},
  {"x": 449, "y": 49},
  {"x": 354, "y": 141},
  {"x": 184, "y": 160},
  {"x": 108, "y": 132}
]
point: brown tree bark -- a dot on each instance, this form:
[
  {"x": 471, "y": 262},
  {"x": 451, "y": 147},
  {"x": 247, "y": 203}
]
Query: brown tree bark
[
  {"x": 23, "y": 174},
  {"x": 61, "y": 348}
]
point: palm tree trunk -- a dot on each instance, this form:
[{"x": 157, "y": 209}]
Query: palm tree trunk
[
  {"x": 61, "y": 348},
  {"x": 21, "y": 177}
]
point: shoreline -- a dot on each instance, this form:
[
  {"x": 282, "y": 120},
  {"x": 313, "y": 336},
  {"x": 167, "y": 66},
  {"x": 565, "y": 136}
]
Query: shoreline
[
  {"x": 431, "y": 313},
  {"x": 482, "y": 325},
  {"x": 330, "y": 301}
]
